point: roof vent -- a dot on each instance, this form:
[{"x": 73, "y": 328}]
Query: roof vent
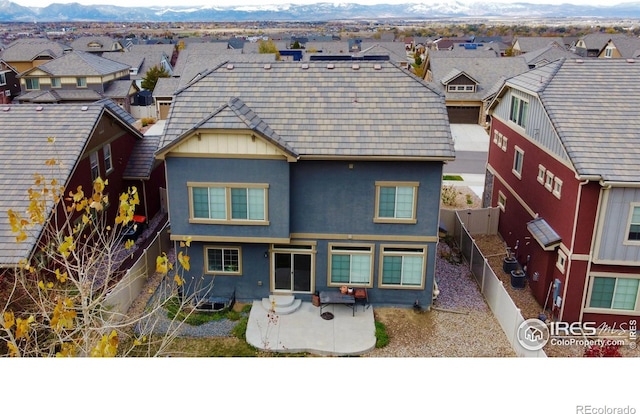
[
  {"x": 84, "y": 108},
  {"x": 631, "y": 60},
  {"x": 330, "y": 66},
  {"x": 6, "y": 108},
  {"x": 355, "y": 66},
  {"x": 377, "y": 66},
  {"x": 579, "y": 61},
  {"x": 230, "y": 66},
  {"x": 267, "y": 66},
  {"x": 304, "y": 66},
  {"x": 39, "y": 108}
]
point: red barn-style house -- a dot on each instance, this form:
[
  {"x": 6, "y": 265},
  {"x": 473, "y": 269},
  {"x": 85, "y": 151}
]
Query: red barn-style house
[{"x": 563, "y": 168}]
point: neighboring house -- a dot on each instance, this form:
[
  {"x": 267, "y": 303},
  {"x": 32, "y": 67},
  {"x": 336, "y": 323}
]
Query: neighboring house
[
  {"x": 141, "y": 58},
  {"x": 592, "y": 44},
  {"x": 621, "y": 47},
  {"x": 75, "y": 77},
  {"x": 523, "y": 44},
  {"x": 96, "y": 44},
  {"x": 89, "y": 140},
  {"x": 27, "y": 53},
  {"x": 547, "y": 54},
  {"x": 563, "y": 168},
  {"x": 466, "y": 81},
  {"x": 9, "y": 83},
  {"x": 291, "y": 178}
]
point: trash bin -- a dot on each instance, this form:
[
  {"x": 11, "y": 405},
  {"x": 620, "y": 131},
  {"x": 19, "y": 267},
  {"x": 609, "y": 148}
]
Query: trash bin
[
  {"x": 518, "y": 279},
  {"x": 509, "y": 263}
]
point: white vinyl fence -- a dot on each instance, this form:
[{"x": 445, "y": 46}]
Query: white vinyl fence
[
  {"x": 130, "y": 286},
  {"x": 485, "y": 221}
]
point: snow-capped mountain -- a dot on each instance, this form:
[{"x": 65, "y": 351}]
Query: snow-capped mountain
[{"x": 321, "y": 11}]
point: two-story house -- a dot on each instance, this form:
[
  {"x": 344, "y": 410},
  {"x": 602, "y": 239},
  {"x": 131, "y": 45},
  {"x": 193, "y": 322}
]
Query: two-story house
[
  {"x": 77, "y": 77},
  {"x": 291, "y": 178},
  {"x": 27, "y": 53},
  {"x": 563, "y": 169},
  {"x": 9, "y": 83},
  {"x": 465, "y": 81},
  {"x": 86, "y": 141}
]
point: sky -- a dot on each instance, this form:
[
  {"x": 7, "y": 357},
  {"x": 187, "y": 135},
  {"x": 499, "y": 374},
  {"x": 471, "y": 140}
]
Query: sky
[{"x": 144, "y": 3}]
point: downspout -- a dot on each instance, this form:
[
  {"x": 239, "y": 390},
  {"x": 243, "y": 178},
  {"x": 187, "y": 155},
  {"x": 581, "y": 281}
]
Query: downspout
[
  {"x": 144, "y": 196},
  {"x": 573, "y": 240},
  {"x": 603, "y": 197}
]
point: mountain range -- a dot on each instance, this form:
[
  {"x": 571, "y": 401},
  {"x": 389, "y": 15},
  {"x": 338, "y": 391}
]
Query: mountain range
[{"x": 321, "y": 11}]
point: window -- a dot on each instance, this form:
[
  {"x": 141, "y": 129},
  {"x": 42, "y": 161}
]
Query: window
[
  {"x": 608, "y": 52},
  {"x": 502, "y": 200},
  {"x": 614, "y": 293},
  {"x": 236, "y": 203},
  {"x": 32, "y": 83},
  {"x": 519, "y": 109},
  {"x": 518, "y": 158},
  {"x": 396, "y": 202},
  {"x": 548, "y": 181},
  {"x": 222, "y": 260},
  {"x": 504, "y": 143},
  {"x": 561, "y": 263},
  {"x": 108, "y": 164},
  {"x": 541, "y": 173},
  {"x": 634, "y": 223},
  {"x": 402, "y": 266},
  {"x": 461, "y": 88},
  {"x": 55, "y": 83},
  {"x": 500, "y": 140},
  {"x": 95, "y": 169},
  {"x": 81, "y": 82},
  {"x": 3, "y": 78},
  {"x": 351, "y": 265},
  {"x": 557, "y": 187}
]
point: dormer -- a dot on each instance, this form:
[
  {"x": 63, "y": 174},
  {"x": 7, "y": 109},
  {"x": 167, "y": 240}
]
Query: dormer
[{"x": 459, "y": 81}]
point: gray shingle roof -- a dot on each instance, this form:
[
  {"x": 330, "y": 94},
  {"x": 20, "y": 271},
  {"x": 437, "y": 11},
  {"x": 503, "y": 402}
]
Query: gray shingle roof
[
  {"x": 81, "y": 64},
  {"x": 593, "y": 105},
  {"x": 629, "y": 47},
  {"x": 96, "y": 44},
  {"x": 24, "y": 150},
  {"x": 547, "y": 54},
  {"x": 60, "y": 95},
  {"x": 26, "y": 50},
  {"x": 378, "y": 110},
  {"x": 528, "y": 44},
  {"x": 165, "y": 87},
  {"x": 486, "y": 71},
  {"x": 142, "y": 158},
  {"x": 118, "y": 89}
]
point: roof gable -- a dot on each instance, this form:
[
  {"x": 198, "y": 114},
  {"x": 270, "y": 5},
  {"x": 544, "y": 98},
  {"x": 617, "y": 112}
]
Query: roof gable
[{"x": 80, "y": 64}]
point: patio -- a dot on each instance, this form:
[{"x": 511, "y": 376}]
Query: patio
[{"x": 304, "y": 330}]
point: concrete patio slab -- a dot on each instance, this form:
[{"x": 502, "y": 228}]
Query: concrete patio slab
[{"x": 306, "y": 331}]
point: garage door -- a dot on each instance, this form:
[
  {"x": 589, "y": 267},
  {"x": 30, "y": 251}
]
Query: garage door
[{"x": 463, "y": 114}]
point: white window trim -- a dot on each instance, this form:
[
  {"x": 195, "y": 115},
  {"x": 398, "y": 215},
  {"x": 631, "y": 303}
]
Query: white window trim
[
  {"x": 520, "y": 102},
  {"x": 611, "y": 311},
  {"x": 557, "y": 187},
  {"x": 3, "y": 78},
  {"x": 541, "y": 173},
  {"x": 81, "y": 82},
  {"x": 26, "y": 83},
  {"x": 107, "y": 158},
  {"x": 502, "y": 201},
  {"x": 504, "y": 143},
  {"x": 344, "y": 249},
  {"x": 383, "y": 253},
  {"x": 517, "y": 151},
  {"x": 561, "y": 263},
  {"x": 94, "y": 164},
  {"x": 413, "y": 219},
  {"x": 235, "y": 272},
  {"x": 628, "y": 226},
  {"x": 548, "y": 181},
  {"x": 228, "y": 210}
]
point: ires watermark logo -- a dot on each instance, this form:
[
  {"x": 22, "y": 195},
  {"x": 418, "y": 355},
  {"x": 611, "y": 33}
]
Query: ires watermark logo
[{"x": 533, "y": 334}]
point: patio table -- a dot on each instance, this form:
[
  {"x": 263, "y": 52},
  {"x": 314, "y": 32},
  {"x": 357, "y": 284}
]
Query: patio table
[{"x": 336, "y": 298}]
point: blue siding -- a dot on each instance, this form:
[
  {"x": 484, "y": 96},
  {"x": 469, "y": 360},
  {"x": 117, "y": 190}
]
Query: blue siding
[
  {"x": 329, "y": 197},
  {"x": 272, "y": 172}
]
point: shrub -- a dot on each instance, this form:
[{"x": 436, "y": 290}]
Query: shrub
[
  {"x": 449, "y": 195},
  {"x": 240, "y": 330}
]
